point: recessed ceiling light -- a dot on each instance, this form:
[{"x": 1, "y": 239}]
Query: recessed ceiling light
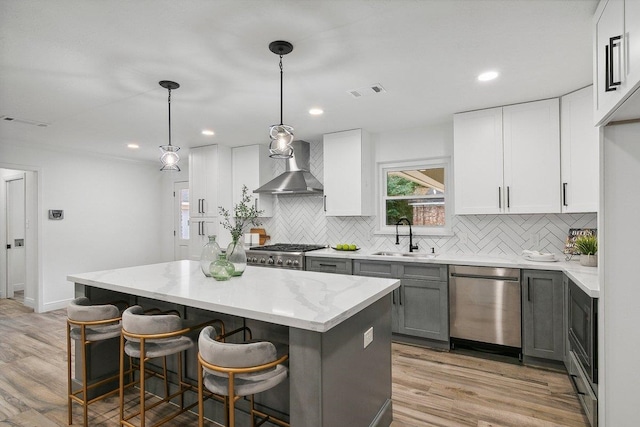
[
  {"x": 489, "y": 75},
  {"x": 316, "y": 111},
  {"x": 133, "y": 146},
  {"x": 208, "y": 132}
]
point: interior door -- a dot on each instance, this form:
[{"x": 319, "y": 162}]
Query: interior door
[
  {"x": 16, "y": 261},
  {"x": 181, "y": 220}
]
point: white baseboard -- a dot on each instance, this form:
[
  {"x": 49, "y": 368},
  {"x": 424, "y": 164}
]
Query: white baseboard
[
  {"x": 30, "y": 302},
  {"x": 56, "y": 305}
]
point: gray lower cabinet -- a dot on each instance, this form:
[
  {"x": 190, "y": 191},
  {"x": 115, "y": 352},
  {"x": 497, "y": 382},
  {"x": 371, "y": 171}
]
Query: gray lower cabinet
[
  {"x": 542, "y": 315},
  {"x": 328, "y": 265},
  {"x": 421, "y": 304}
]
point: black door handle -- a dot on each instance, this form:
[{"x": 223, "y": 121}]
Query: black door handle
[
  {"x": 564, "y": 194},
  {"x": 610, "y": 84},
  {"x": 8, "y": 246}
]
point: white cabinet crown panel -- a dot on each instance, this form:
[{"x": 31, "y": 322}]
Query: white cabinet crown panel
[
  {"x": 252, "y": 167},
  {"x": 348, "y": 174},
  {"x": 579, "y": 152}
]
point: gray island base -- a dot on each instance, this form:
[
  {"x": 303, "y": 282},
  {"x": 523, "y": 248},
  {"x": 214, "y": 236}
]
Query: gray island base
[{"x": 336, "y": 377}]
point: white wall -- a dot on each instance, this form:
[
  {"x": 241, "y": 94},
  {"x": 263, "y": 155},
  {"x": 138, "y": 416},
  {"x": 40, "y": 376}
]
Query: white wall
[
  {"x": 619, "y": 317},
  {"x": 113, "y": 214},
  {"x": 418, "y": 143}
]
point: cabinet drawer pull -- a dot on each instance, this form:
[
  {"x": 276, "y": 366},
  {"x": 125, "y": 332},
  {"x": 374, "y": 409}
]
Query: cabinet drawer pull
[
  {"x": 564, "y": 194},
  {"x": 328, "y": 265}
]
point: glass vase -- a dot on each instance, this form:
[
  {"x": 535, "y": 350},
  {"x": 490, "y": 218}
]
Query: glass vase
[
  {"x": 210, "y": 253},
  {"x": 237, "y": 255},
  {"x": 221, "y": 269}
]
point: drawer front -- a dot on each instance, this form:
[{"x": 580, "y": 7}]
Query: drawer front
[
  {"x": 587, "y": 397},
  {"x": 423, "y": 271},
  {"x": 374, "y": 268},
  {"x": 329, "y": 265}
]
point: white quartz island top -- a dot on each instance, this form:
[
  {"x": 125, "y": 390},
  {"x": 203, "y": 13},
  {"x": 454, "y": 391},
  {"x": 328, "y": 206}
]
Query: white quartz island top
[
  {"x": 585, "y": 277},
  {"x": 299, "y": 299}
]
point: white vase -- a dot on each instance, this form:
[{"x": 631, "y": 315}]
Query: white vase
[{"x": 589, "y": 260}]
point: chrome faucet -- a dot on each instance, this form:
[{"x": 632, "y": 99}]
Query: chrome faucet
[{"x": 411, "y": 245}]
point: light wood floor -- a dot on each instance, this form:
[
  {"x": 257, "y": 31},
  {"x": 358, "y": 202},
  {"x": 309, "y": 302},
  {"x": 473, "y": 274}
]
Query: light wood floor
[{"x": 430, "y": 388}]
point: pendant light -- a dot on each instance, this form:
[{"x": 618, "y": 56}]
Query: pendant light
[
  {"x": 169, "y": 156},
  {"x": 281, "y": 135}
]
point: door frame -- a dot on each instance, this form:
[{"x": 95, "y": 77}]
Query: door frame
[
  {"x": 7, "y": 290},
  {"x": 33, "y": 197},
  {"x": 177, "y": 186}
]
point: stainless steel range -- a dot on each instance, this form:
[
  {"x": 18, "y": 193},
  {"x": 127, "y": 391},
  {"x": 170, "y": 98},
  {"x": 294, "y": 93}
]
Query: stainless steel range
[{"x": 280, "y": 255}]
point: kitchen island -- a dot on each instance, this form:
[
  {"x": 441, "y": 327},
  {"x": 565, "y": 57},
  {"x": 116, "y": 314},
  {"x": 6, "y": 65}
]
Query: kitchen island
[{"x": 335, "y": 377}]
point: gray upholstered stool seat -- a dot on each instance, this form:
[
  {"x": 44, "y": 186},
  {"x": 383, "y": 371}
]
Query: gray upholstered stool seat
[
  {"x": 236, "y": 370},
  {"x": 146, "y": 337},
  {"x": 87, "y": 324}
]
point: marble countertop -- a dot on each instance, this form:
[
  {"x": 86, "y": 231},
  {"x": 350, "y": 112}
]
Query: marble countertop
[
  {"x": 585, "y": 277},
  {"x": 299, "y": 299}
]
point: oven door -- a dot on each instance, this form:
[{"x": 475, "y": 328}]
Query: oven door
[{"x": 582, "y": 323}]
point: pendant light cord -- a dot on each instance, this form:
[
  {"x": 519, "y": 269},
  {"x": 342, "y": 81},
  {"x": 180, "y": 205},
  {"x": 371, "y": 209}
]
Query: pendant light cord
[
  {"x": 281, "y": 79},
  {"x": 169, "y": 116}
]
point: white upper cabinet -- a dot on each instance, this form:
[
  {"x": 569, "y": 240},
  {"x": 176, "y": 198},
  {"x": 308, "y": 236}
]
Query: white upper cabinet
[
  {"x": 507, "y": 159},
  {"x": 579, "y": 152},
  {"x": 477, "y": 147},
  {"x": 209, "y": 180},
  {"x": 531, "y": 136},
  {"x": 252, "y": 167},
  {"x": 616, "y": 73},
  {"x": 348, "y": 174}
]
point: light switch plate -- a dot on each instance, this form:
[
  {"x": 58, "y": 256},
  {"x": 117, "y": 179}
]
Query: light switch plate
[
  {"x": 56, "y": 214},
  {"x": 368, "y": 337}
]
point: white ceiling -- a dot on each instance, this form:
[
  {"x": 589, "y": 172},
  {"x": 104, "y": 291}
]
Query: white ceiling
[{"x": 91, "y": 68}]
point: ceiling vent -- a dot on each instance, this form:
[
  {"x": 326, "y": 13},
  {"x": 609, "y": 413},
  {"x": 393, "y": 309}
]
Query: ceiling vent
[
  {"x": 366, "y": 91},
  {"x": 24, "y": 121}
]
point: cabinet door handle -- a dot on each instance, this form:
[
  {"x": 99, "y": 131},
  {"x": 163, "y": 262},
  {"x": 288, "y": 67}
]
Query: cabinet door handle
[
  {"x": 564, "y": 194},
  {"x": 400, "y": 295},
  {"x": 608, "y": 54},
  {"x": 529, "y": 289},
  {"x": 324, "y": 203},
  {"x": 393, "y": 297},
  {"x": 508, "y": 197},
  {"x": 255, "y": 203},
  {"x": 499, "y": 197}
]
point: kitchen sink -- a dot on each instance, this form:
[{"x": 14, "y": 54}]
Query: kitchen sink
[{"x": 404, "y": 254}]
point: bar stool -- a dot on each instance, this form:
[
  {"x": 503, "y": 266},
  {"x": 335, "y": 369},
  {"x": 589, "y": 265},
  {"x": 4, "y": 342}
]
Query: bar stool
[
  {"x": 88, "y": 324},
  {"x": 237, "y": 370},
  {"x": 147, "y": 336}
]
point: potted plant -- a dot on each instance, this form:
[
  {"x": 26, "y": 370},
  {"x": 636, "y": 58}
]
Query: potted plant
[
  {"x": 588, "y": 247},
  {"x": 244, "y": 213}
]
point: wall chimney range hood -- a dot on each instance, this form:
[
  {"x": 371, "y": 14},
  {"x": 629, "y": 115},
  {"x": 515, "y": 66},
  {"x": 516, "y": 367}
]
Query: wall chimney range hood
[{"x": 296, "y": 179}]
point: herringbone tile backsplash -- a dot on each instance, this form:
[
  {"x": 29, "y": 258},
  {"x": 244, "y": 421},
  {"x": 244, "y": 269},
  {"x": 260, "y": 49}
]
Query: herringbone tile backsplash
[{"x": 301, "y": 219}]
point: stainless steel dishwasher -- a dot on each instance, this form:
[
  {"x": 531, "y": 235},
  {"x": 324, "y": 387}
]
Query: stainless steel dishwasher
[{"x": 484, "y": 305}]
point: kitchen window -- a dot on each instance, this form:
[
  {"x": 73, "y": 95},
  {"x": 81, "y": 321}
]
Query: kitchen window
[{"x": 418, "y": 191}]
